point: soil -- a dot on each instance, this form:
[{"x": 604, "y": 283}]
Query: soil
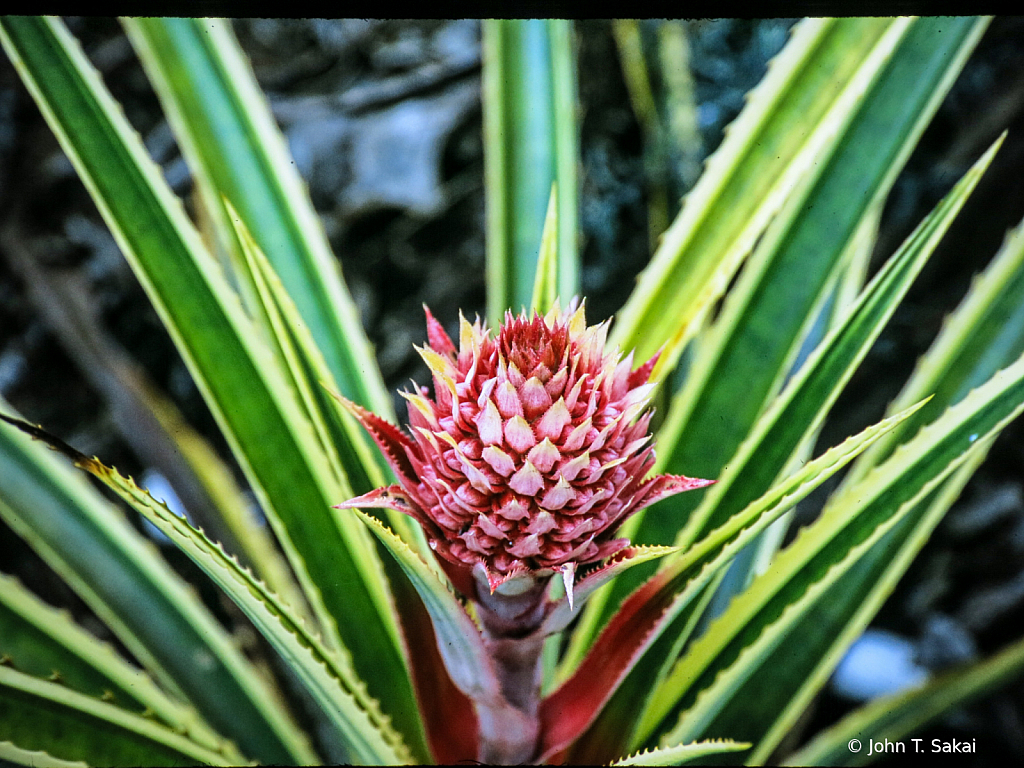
[{"x": 384, "y": 121}]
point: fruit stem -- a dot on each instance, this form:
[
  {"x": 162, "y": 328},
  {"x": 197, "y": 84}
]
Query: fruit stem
[
  {"x": 510, "y": 728},
  {"x": 510, "y": 616}
]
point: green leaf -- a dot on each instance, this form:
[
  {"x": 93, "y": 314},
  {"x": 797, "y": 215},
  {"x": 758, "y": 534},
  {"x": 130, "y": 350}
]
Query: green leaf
[
  {"x": 847, "y": 285},
  {"x": 838, "y": 618},
  {"x": 148, "y": 607},
  {"x": 41, "y": 641},
  {"x": 227, "y": 133},
  {"x": 246, "y": 535},
  {"x": 327, "y": 674},
  {"x": 340, "y": 437},
  {"x": 801, "y": 408},
  {"x": 896, "y": 717},
  {"x": 335, "y": 562},
  {"x": 763, "y": 319},
  {"x": 682, "y": 753},
  {"x": 529, "y": 101},
  {"x": 146, "y": 419},
  {"x": 657, "y": 612},
  {"x": 545, "y": 283},
  {"x": 347, "y": 455},
  {"x": 739, "y": 642},
  {"x": 974, "y": 342},
  {"x": 985, "y": 333},
  {"x": 743, "y": 363},
  {"x": 40, "y": 715},
  {"x": 797, "y": 413},
  {"x": 981, "y": 336},
  {"x": 35, "y": 758},
  {"x": 763, "y": 162},
  {"x": 458, "y": 638},
  {"x": 788, "y": 128}
]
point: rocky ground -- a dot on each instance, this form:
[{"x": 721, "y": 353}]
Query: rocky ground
[{"x": 383, "y": 118}]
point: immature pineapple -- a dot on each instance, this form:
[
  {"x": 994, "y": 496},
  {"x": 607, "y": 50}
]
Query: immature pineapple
[{"x": 533, "y": 450}]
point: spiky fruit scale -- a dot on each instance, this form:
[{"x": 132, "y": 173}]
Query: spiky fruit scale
[{"x": 534, "y": 448}]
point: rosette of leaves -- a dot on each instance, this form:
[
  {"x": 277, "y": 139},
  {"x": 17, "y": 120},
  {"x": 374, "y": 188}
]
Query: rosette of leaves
[{"x": 703, "y": 639}]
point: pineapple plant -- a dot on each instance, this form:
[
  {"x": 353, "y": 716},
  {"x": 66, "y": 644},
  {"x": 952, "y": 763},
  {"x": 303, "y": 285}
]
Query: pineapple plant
[{"x": 532, "y": 571}]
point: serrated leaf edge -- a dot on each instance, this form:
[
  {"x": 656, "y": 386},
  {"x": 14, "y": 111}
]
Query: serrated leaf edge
[
  {"x": 211, "y": 558},
  {"x": 103, "y": 658},
  {"x": 146, "y": 727},
  {"x": 37, "y": 758},
  {"x": 484, "y": 685},
  {"x": 679, "y": 753},
  {"x": 883, "y": 476},
  {"x": 769, "y": 635}
]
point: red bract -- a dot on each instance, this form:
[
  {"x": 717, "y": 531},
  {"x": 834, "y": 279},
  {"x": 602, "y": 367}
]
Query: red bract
[{"x": 533, "y": 450}]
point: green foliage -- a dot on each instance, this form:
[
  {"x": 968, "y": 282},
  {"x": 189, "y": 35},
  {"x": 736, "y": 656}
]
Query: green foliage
[
  {"x": 529, "y": 97},
  {"x": 708, "y": 649}
]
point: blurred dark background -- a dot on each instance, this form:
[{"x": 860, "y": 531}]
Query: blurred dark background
[{"x": 383, "y": 118}]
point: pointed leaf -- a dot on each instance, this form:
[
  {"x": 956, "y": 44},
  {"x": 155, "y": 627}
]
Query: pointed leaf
[
  {"x": 149, "y": 421},
  {"x": 545, "y": 283},
  {"x": 529, "y": 101},
  {"x": 847, "y": 285},
  {"x": 335, "y": 562},
  {"x": 39, "y": 640},
  {"x": 228, "y": 134},
  {"x": 765, "y": 633},
  {"x": 789, "y": 126},
  {"x": 759, "y": 333},
  {"x": 666, "y": 598},
  {"x": 979, "y": 337},
  {"x": 256, "y": 546},
  {"x": 341, "y": 439},
  {"x": 101, "y": 556},
  {"x": 327, "y": 674},
  {"x": 745, "y": 360},
  {"x": 823, "y": 551},
  {"x": 389, "y": 438},
  {"x": 304, "y": 365},
  {"x": 682, "y": 753},
  {"x": 802, "y": 406},
  {"x": 832, "y": 625},
  {"x": 984, "y": 333},
  {"x": 897, "y": 717},
  {"x": 732, "y": 536},
  {"x": 41, "y": 715}
]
